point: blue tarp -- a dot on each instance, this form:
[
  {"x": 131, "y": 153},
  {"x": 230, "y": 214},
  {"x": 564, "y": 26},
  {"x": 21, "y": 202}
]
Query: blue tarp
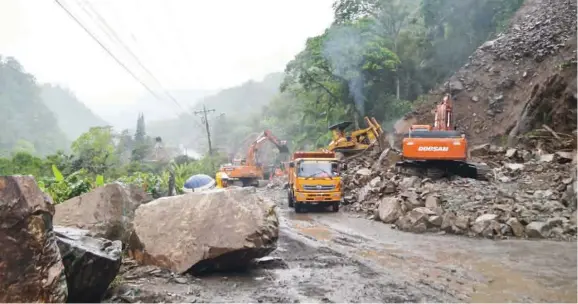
[{"x": 199, "y": 181}]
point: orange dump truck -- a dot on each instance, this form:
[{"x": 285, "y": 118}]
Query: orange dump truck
[{"x": 314, "y": 179}]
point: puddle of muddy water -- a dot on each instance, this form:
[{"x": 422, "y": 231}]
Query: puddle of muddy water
[
  {"x": 503, "y": 284},
  {"x": 319, "y": 233},
  {"x": 299, "y": 217},
  {"x": 506, "y": 285}
]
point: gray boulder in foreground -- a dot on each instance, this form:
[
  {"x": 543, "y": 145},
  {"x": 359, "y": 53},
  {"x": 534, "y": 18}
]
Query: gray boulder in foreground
[
  {"x": 106, "y": 211},
  {"x": 91, "y": 264},
  {"x": 205, "y": 231}
]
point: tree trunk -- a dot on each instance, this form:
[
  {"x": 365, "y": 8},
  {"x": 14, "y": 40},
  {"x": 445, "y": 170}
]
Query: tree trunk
[{"x": 397, "y": 86}]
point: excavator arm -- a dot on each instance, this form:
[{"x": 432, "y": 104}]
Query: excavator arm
[
  {"x": 265, "y": 136},
  {"x": 443, "y": 115}
]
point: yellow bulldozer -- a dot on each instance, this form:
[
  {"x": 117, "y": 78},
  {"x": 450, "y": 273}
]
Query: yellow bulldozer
[{"x": 357, "y": 141}]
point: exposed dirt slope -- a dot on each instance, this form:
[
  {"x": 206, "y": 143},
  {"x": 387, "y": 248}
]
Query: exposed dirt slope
[{"x": 524, "y": 78}]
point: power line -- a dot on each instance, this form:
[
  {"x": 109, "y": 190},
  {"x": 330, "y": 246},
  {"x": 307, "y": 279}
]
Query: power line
[
  {"x": 126, "y": 68},
  {"x": 114, "y": 36},
  {"x": 107, "y": 50}
]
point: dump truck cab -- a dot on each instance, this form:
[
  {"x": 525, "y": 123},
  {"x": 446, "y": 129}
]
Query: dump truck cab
[{"x": 314, "y": 179}]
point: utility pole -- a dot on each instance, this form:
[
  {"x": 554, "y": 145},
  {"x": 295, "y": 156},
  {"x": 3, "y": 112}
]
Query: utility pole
[{"x": 204, "y": 117}]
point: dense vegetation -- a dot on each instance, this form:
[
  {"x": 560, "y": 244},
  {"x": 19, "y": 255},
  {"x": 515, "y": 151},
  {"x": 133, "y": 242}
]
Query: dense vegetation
[
  {"x": 378, "y": 58},
  {"x": 100, "y": 156}
]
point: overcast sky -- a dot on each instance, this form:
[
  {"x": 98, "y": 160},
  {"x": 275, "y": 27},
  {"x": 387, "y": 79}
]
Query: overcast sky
[{"x": 187, "y": 44}]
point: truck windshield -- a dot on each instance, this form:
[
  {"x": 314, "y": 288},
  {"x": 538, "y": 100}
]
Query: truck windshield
[{"x": 316, "y": 169}]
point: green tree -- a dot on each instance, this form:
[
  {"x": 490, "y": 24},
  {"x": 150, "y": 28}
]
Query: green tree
[
  {"x": 95, "y": 150},
  {"x": 142, "y": 144},
  {"x": 24, "y": 146}
]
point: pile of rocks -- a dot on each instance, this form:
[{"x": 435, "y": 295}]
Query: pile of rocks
[
  {"x": 542, "y": 32},
  {"x": 278, "y": 182},
  {"x": 530, "y": 195},
  {"x": 369, "y": 176},
  {"x": 78, "y": 260}
]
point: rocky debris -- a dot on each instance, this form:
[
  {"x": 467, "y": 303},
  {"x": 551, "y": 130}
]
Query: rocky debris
[
  {"x": 107, "y": 211},
  {"x": 389, "y": 210},
  {"x": 127, "y": 287},
  {"x": 368, "y": 177},
  {"x": 514, "y": 83},
  {"x": 542, "y": 32},
  {"x": 208, "y": 231},
  {"x": 31, "y": 268},
  {"x": 270, "y": 263},
  {"x": 278, "y": 182},
  {"x": 527, "y": 186},
  {"x": 91, "y": 263}
]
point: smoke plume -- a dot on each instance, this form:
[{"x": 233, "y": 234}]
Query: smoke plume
[{"x": 344, "y": 48}]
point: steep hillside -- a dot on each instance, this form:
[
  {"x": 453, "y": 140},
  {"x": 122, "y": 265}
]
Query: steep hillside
[
  {"x": 25, "y": 121},
  {"x": 524, "y": 78},
  {"x": 74, "y": 118}
]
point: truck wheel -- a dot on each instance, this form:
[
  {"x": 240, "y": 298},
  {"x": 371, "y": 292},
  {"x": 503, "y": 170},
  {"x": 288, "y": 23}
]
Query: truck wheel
[
  {"x": 335, "y": 207},
  {"x": 299, "y": 208},
  {"x": 290, "y": 199}
]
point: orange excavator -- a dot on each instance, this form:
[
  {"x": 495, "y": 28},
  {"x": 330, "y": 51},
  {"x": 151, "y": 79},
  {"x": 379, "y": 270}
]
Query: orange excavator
[
  {"x": 248, "y": 171},
  {"x": 440, "y": 150}
]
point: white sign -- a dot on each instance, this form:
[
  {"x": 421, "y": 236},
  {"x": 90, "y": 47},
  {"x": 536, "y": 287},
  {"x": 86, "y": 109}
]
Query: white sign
[{"x": 433, "y": 149}]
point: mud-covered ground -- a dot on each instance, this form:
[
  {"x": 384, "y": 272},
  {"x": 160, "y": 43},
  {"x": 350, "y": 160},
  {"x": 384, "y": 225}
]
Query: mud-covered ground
[{"x": 338, "y": 257}]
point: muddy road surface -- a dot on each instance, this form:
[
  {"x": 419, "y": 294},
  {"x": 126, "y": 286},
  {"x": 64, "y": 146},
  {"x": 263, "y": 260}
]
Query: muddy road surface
[{"x": 336, "y": 257}]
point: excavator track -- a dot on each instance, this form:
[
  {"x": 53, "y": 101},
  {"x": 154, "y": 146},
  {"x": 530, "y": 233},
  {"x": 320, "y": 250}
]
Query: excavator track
[{"x": 436, "y": 169}]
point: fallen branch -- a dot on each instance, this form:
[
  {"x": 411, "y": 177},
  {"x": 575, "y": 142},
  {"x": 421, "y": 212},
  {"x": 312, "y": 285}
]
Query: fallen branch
[{"x": 551, "y": 131}]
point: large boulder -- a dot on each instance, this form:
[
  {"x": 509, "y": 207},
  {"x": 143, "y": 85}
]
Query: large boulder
[
  {"x": 106, "y": 211},
  {"x": 31, "y": 268},
  {"x": 91, "y": 263},
  {"x": 205, "y": 231},
  {"x": 389, "y": 210}
]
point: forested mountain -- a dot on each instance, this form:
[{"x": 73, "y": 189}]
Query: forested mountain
[
  {"x": 244, "y": 99},
  {"x": 26, "y": 123},
  {"x": 74, "y": 118},
  {"x": 152, "y": 108},
  {"x": 236, "y": 104}
]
